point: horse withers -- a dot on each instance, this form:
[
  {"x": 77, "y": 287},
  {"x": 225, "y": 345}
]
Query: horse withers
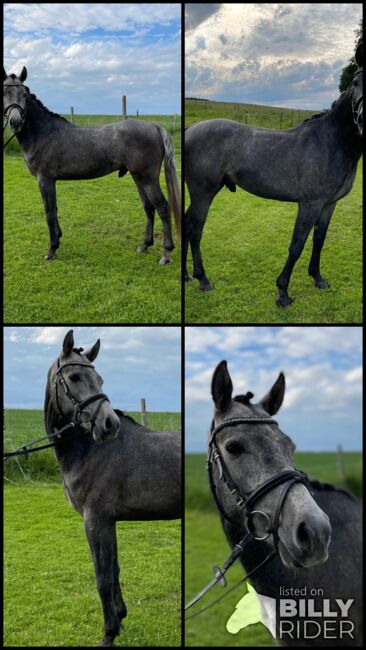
[
  {"x": 140, "y": 480},
  {"x": 54, "y": 150}
]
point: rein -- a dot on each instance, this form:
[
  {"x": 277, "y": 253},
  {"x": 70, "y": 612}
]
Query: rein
[{"x": 246, "y": 504}]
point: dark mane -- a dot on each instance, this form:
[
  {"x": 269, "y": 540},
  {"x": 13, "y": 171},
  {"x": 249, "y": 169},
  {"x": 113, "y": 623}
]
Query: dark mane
[
  {"x": 39, "y": 103},
  {"x": 327, "y": 487},
  {"x": 326, "y": 111}
]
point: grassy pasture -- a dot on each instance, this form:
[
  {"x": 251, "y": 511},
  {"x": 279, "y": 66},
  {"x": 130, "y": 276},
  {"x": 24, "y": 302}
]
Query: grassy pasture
[
  {"x": 50, "y": 598},
  {"x": 245, "y": 245},
  {"x": 98, "y": 275},
  {"x": 205, "y": 544}
]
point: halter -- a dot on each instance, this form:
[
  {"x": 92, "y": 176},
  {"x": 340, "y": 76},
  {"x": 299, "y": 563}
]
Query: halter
[
  {"x": 290, "y": 477},
  {"x": 356, "y": 103},
  {"x": 21, "y": 110}
]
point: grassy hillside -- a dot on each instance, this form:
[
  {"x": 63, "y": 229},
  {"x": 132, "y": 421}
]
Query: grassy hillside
[{"x": 197, "y": 110}]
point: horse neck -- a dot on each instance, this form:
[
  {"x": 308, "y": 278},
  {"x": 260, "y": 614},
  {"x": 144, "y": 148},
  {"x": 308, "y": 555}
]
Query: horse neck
[
  {"x": 67, "y": 451},
  {"x": 342, "y": 115},
  {"x": 37, "y": 121}
]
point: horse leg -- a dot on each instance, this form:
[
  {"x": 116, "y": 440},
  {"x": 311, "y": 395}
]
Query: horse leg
[
  {"x": 150, "y": 217},
  {"x": 187, "y": 276},
  {"x": 47, "y": 188},
  {"x": 197, "y": 217},
  {"x": 120, "y": 604},
  {"x": 320, "y": 231},
  {"x": 101, "y": 538},
  {"x": 306, "y": 217},
  {"x": 158, "y": 201}
]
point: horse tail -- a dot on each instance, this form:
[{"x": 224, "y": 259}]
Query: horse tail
[{"x": 174, "y": 195}]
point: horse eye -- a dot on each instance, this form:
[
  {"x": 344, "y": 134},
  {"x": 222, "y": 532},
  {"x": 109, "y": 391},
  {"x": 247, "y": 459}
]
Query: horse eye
[
  {"x": 75, "y": 377},
  {"x": 234, "y": 448}
]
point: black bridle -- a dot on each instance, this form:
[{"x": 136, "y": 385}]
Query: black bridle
[
  {"x": 79, "y": 407},
  {"x": 245, "y": 503},
  {"x": 356, "y": 102},
  {"x": 21, "y": 110}
]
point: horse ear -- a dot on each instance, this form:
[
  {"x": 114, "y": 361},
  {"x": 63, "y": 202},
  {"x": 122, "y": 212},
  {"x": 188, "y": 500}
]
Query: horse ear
[
  {"x": 5, "y": 75},
  {"x": 93, "y": 352},
  {"x": 274, "y": 398},
  {"x": 23, "y": 74},
  {"x": 358, "y": 54},
  {"x": 221, "y": 387},
  {"x": 68, "y": 343}
]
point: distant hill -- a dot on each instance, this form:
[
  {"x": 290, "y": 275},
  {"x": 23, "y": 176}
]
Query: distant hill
[{"x": 198, "y": 109}]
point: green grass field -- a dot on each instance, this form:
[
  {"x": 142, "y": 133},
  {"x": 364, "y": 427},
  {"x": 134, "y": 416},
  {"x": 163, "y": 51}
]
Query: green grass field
[
  {"x": 245, "y": 245},
  {"x": 49, "y": 587},
  {"x": 205, "y": 545},
  {"x": 98, "y": 275}
]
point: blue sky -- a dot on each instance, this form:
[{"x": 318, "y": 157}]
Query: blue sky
[
  {"x": 323, "y": 369},
  {"x": 280, "y": 54},
  {"x": 134, "y": 362},
  {"x": 89, "y": 55}
]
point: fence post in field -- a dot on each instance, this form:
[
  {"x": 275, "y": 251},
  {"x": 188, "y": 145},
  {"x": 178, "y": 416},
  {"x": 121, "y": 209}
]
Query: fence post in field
[
  {"x": 137, "y": 112},
  {"x": 246, "y": 117},
  {"x": 72, "y": 114},
  {"x": 124, "y": 107},
  {"x": 340, "y": 463},
  {"x": 143, "y": 412}
]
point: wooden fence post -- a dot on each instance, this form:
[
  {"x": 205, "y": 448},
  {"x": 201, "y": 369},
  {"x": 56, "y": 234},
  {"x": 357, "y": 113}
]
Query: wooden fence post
[
  {"x": 72, "y": 114},
  {"x": 340, "y": 463},
  {"x": 124, "y": 107},
  {"x": 143, "y": 412}
]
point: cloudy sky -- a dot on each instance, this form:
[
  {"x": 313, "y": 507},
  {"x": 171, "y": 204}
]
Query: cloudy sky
[
  {"x": 89, "y": 55},
  {"x": 323, "y": 370},
  {"x": 134, "y": 362},
  {"x": 287, "y": 55}
]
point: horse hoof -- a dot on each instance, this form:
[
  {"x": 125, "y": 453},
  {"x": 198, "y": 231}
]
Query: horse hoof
[
  {"x": 50, "y": 256},
  {"x": 205, "y": 285},
  {"x": 165, "y": 260},
  {"x": 188, "y": 277},
  {"x": 284, "y": 301},
  {"x": 142, "y": 248},
  {"x": 322, "y": 284}
]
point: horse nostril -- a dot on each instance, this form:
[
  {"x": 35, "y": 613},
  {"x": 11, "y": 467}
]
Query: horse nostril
[
  {"x": 304, "y": 537},
  {"x": 108, "y": 424}
]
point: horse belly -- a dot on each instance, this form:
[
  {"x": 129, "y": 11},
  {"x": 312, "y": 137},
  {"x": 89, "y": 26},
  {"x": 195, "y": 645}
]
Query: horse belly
[{"x": 258, "y": 183}]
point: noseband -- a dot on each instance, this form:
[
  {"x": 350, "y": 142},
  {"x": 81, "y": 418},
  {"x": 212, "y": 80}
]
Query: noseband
[
  {"x": 21, "y": 110},
  {"x": 245, "y": 503},
  {"x": 78, "y": 406}
]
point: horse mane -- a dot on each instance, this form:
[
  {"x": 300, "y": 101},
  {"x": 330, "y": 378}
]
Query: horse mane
[
  {"x": 123, "y": 415},
  {"x": 244, "y": 399},
  {"x": 39, "y": 103},
  {"x": 326, "y": 111},
  {"x": 328, "y": 487}
]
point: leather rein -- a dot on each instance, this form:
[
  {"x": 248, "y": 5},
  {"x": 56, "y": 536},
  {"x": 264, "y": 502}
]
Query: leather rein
[
  {"x": 246, "y": 504},
  {"x": 24, "y": 450}
]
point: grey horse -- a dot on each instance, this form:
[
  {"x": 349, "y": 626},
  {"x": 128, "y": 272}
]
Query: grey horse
[
  {"x": 313, "y": 165},
  {"x": 54, "y": 149},
  {"x": 319, "y": 531},
  {"x": 140, "y": 477}
]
